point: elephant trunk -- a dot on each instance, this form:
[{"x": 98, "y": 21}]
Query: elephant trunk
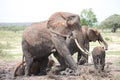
[{"x": 100, "y": 40}]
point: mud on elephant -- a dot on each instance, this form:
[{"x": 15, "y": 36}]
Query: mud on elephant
[
  {"x": 90, "y": 35},
  {"x": 39, "y": 41},
  {"x": 19, "y": 69},
  {"x": 98, "y": 55}
]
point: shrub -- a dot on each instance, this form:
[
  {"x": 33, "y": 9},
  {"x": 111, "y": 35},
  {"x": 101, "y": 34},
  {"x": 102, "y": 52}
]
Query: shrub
[{"x": 108, "y": 39}]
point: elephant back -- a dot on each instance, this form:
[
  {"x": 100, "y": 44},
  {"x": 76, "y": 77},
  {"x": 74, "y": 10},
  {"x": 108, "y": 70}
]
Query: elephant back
[
  {"x": 35, "y": 33},
  {"x": 98, "y": 50}
]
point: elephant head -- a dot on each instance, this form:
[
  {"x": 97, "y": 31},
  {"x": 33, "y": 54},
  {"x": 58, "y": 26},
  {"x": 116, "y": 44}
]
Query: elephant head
[{"x": 94, "y": 35}]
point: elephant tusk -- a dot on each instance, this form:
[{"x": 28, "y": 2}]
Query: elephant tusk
[
  {"x": 80, "y": 47},
  {"x": 87, "y": 51}
]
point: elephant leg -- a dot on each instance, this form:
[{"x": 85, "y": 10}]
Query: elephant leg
[
  {"x": 102, "y": 63},
  {"x": 95, "y": 61},
  {"x": 79, "y": 56},
  {"x": 61, "y": 46},
  {"x": 61, "y": 61},
  {"x": 29, "y": 62},
  {"x": 82, "y": 59},
  {"x": 43, "y": 66},
  {"x": 28, "y": 58}
]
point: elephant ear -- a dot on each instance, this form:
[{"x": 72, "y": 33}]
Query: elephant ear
[
  {"x": 92, "y": 34},
  {"x": 96, "y": 32},
  {"x": 73, "y": 20},
  {"x": 63, "y": 23}
]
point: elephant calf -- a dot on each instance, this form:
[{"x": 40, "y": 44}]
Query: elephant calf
[
  {"x": 98, "y": 55},
  {"x": 35, "y": 69}
]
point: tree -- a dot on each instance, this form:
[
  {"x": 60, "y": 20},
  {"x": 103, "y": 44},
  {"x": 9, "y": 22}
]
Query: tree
[
  {"x": 88, "y": 17},
  {"x": 112, "y": 22}
]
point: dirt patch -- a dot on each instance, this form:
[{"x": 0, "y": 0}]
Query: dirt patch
[{"x": 112, "y": 72}]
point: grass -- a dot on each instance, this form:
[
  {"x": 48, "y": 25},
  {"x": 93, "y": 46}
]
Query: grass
[
  {"x": 5, "y": 55},
  {"x": 10, "y": 36},
  {"x": 113, "y": 52},
  {"x": 9, "y": 40}
]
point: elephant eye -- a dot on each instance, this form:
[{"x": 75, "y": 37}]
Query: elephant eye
[{"x": 70, "y": 18}]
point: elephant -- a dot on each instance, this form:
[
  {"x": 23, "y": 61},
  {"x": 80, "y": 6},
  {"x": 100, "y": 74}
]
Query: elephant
[
  {"x": 60, "y": 19},
  {"x": 90, "y": 35},
  {"x": 39, "y": 41},
  {"x": 35, "y": 69},
  {"x": 98, "y": 55}
]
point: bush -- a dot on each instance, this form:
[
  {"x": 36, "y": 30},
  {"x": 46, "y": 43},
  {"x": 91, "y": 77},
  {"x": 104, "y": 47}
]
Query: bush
[
  {"x": 108, "y": 39},
  {"x": 12, "y": 28}
]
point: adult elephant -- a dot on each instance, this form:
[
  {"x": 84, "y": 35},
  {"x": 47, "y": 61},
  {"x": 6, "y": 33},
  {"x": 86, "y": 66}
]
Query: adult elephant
[
  {"x": 58, "y": 23},
  {"x": 38, "y": 41},
  {"x": 36, "y": 46},
  {"x": 90, "y": 35}
]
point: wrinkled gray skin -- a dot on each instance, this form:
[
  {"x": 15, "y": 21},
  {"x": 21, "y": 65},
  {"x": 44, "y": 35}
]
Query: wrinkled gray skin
[
  {"x": 35, "y": 47},
  {"x": 98, "y": 55},
  {"x": 38, "y": 41},
  {"x": 90, "y": 35},
  {"x": 54, "y": 24}
]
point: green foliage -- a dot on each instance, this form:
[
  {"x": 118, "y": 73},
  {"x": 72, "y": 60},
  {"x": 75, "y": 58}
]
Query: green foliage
[
  {"x": 88, "y": 17},
  {"x": 108, "y": 39},
  {"x": 112, "y": 22}
]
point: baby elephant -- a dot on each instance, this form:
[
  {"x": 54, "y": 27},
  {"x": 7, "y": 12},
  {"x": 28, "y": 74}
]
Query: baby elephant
[
  {"x": 98, "y": 55},
  {"x": 35, "y": 69}
]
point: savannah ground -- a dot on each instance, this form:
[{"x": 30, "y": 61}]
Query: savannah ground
[{"x": 11, "y": 54}]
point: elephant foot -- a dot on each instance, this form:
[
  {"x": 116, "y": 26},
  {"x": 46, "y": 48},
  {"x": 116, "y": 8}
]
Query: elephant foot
[
  {"x": 43, "y": 72},
  {"x": 71, "y": 72},
  {"x": 57, "y": 69},
  {"x": 26, "y": 75},
  {"x": 82, "y": 62}
]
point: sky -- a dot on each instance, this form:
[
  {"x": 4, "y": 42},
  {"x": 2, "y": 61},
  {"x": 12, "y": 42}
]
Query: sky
[{"x": 40, "y": 10}]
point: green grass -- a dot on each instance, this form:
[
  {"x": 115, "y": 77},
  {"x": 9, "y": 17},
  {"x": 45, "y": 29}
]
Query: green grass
[
  {"x": 113, "y": 52},
  {"x": 117, "y": 63},
  {"x": 5, "y": 55},
  {"x": 9, "y": 40},
  {"x": 10, "y": 56},
  {"x": 10, "y": 36},
  {"x": 17, "y": 54}
]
